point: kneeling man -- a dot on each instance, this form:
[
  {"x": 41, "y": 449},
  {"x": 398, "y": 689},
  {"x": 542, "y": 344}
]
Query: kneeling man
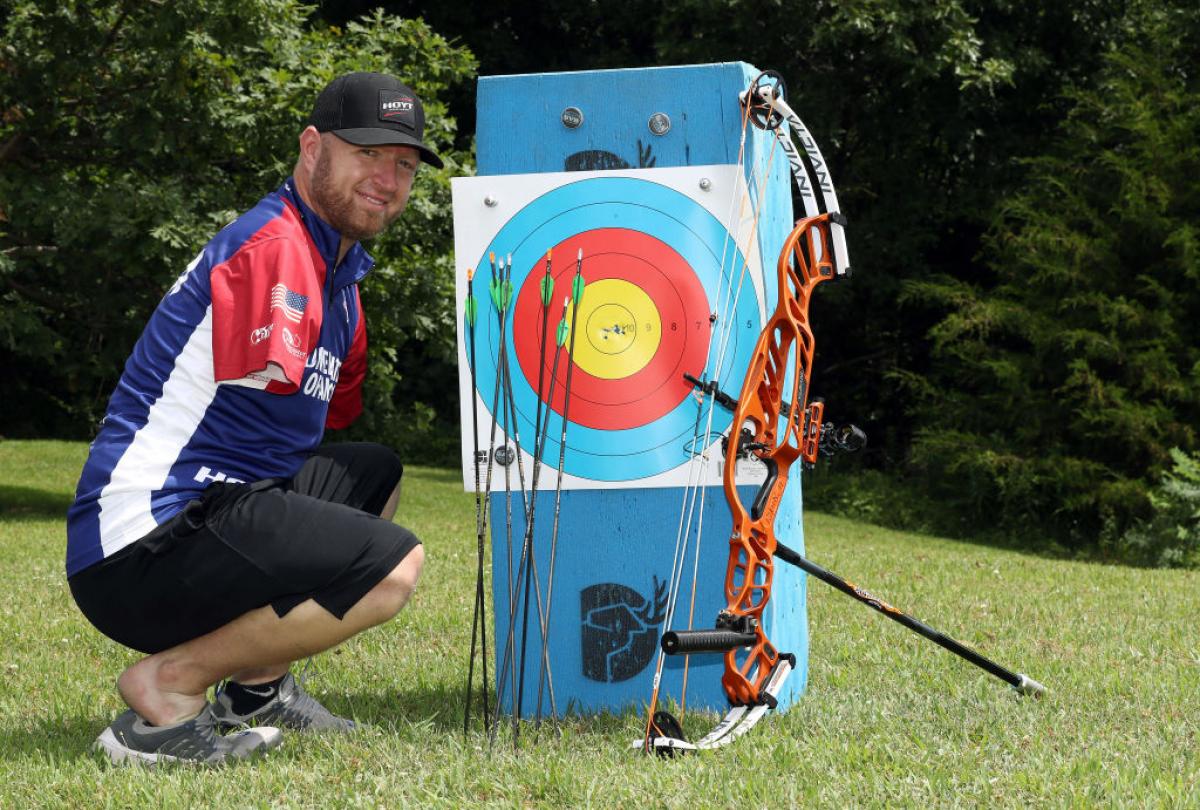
[{"x": 212, "y": 529}]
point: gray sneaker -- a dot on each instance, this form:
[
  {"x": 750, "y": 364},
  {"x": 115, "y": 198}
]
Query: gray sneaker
[
  {"x": 132, "y": 739},
  {"x": 291, "y": 708}
]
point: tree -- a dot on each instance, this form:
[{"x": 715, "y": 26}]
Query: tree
[
  {"x": 1063, "y": 376},
  {"x": 922, "y": 109},
  {"x": 131, "y": 132}
]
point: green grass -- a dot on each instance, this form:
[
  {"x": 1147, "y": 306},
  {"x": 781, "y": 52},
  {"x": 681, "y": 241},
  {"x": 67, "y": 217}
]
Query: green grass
[{"x": 889, "y": 719}]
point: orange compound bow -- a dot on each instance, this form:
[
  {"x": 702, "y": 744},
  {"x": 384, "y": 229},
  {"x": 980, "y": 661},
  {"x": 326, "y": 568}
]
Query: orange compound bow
[
  {"x": 777, "y": 437},
  {"x": 775, "y": 423}
]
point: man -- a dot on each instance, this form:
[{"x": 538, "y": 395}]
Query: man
[{"x": 210, "y": 529}]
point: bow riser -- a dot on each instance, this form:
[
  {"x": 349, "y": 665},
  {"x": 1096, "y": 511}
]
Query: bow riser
[{"x": 785, "y": 345}]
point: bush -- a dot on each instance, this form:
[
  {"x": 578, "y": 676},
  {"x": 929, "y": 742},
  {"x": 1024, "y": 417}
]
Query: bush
[
  {"x": 1060, "y": 377},
  {"x": 130, "y": 133},
  {"x": 1171, "y": 537}
]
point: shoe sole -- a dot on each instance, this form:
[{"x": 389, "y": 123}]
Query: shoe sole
[
  {"x": 313, "y": 729},
  {"x": 118, "y": 753}
]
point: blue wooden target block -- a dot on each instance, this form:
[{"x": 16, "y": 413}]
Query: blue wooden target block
[{"x": 616, "y": 546}]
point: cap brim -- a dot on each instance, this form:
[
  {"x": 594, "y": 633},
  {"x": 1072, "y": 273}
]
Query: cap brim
[{"x": 376, "y": 136}]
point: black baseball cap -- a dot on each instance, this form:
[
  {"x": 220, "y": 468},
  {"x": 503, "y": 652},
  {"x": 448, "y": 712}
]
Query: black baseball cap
[{"x": 372, "y": 109}]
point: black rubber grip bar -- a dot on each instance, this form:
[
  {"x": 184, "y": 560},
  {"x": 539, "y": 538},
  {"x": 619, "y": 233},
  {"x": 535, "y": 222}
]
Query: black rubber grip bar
[{"x": 686, "y": 642}]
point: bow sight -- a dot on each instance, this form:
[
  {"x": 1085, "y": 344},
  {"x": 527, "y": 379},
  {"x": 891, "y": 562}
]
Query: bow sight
[{"x": 824, "y": 438}]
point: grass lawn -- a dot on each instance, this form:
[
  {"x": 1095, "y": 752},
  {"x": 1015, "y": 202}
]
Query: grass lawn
[{"x": 889, "y": 719}]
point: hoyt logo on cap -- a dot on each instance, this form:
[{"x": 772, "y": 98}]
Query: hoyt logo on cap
[
  {"x": 373, "y": 109},
  {"x": 396, "y": 107}
]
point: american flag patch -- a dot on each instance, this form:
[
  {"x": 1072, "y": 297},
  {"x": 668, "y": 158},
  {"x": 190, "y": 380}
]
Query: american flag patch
[{"x": 292, "y": 303}]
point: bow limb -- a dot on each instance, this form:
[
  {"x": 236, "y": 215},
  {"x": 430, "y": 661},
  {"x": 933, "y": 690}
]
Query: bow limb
[{"x": 814, "y": 184}]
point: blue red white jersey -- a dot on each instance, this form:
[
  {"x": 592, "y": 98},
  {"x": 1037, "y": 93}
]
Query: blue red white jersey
[{"x": 258, "y": 346}]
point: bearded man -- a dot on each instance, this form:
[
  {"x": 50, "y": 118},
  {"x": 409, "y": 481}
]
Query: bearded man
[{"x": 211, "y": 529}]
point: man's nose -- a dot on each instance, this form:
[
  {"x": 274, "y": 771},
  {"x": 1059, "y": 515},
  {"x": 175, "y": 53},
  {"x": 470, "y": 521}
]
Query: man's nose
[{"x": 387, "y": 178}]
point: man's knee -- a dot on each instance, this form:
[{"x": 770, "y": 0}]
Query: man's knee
[{"x": 394, "y": 590}]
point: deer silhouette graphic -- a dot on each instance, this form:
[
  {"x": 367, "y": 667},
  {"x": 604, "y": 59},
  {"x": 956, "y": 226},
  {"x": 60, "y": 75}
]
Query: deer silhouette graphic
[{"x": 619, "y": 629}]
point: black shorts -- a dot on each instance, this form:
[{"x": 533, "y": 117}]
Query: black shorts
[{"x": 243, "y": 546}]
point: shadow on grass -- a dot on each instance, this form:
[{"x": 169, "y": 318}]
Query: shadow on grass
[
  {"x": 438, "y": 704},
  {"x": 64, "y": 738},
  {"x": 18, "y": 502},
  {"x": 441, "y": 707},
  {"x": 54, "y": 738}
]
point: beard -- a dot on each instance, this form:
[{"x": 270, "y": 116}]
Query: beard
[{"x": 339, "y": 207}]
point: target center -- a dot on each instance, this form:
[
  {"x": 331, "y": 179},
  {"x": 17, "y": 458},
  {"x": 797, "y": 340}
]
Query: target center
[
  {"x": 611, "y": 328},
  {"x": 621, "y": 329}
]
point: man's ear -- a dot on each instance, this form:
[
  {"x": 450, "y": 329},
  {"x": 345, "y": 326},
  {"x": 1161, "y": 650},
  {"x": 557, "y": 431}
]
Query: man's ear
[{"x": 310, "y": 148}]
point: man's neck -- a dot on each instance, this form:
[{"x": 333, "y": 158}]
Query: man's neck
[{"x": 302, "y": 191}]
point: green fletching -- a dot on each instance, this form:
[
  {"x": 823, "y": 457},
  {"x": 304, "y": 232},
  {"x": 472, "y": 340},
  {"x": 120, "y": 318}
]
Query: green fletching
[
  {"x": 506, "y": 295},
  {"x": 563, "y": 331},
  {"x": 577, "y": 287},
  {"x": 547, "y": 289},
  {"x": 471, "y": 310},
  {"x": 494, "y": 289}
]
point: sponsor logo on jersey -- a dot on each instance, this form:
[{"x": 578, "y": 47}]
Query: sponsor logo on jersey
[
  {"x": 207, "y": 475},
  {"x": 293, "y": 342},
  {"x": 261, "y": 333},
  {"x": 326, "y": 367},
  {"x": 187, "y": 271}
]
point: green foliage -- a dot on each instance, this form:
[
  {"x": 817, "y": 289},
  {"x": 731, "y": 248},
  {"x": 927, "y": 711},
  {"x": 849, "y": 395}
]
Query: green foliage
[
  {"x": 131, "y": 132},
  {"x": 842, "y": 487},
  {"x": 1060, "y": 378},
  {"x": 920, "y": 109},
  {"x": 1171, "y": 536}
]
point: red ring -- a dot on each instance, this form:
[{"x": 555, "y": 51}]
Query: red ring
[{"x": 668, "y": 280}]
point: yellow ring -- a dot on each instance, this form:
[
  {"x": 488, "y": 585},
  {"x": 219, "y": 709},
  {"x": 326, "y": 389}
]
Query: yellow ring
[{"x": 620, "y": 329}]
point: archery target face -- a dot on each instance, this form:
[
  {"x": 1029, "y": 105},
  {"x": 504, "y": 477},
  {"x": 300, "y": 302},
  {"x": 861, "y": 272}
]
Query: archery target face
[{"x": 658, "y": 261}]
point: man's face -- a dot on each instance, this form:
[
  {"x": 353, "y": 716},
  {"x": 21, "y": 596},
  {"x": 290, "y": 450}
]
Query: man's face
[{"x": 360, "y": 190}]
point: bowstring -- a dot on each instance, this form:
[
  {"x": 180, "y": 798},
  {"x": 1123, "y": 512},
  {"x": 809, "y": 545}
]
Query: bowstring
[
  {"x": 726, "y": 339},
  {"x": 696, "y": 470}
]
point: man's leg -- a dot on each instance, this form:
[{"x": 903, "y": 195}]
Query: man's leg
[
  {"x": 170, "y": 686},
  {"x": 273, "y": 672},
  {"x": 355, "y": 474}
]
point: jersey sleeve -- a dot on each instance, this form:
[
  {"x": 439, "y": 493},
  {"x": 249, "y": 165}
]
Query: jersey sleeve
[
  {"x": 346, "y": 405},
  {"x": 266, "y": 315}
]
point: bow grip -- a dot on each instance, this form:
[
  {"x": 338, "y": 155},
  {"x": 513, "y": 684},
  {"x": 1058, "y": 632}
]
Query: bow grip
[{"x": 685, "y": 642}]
